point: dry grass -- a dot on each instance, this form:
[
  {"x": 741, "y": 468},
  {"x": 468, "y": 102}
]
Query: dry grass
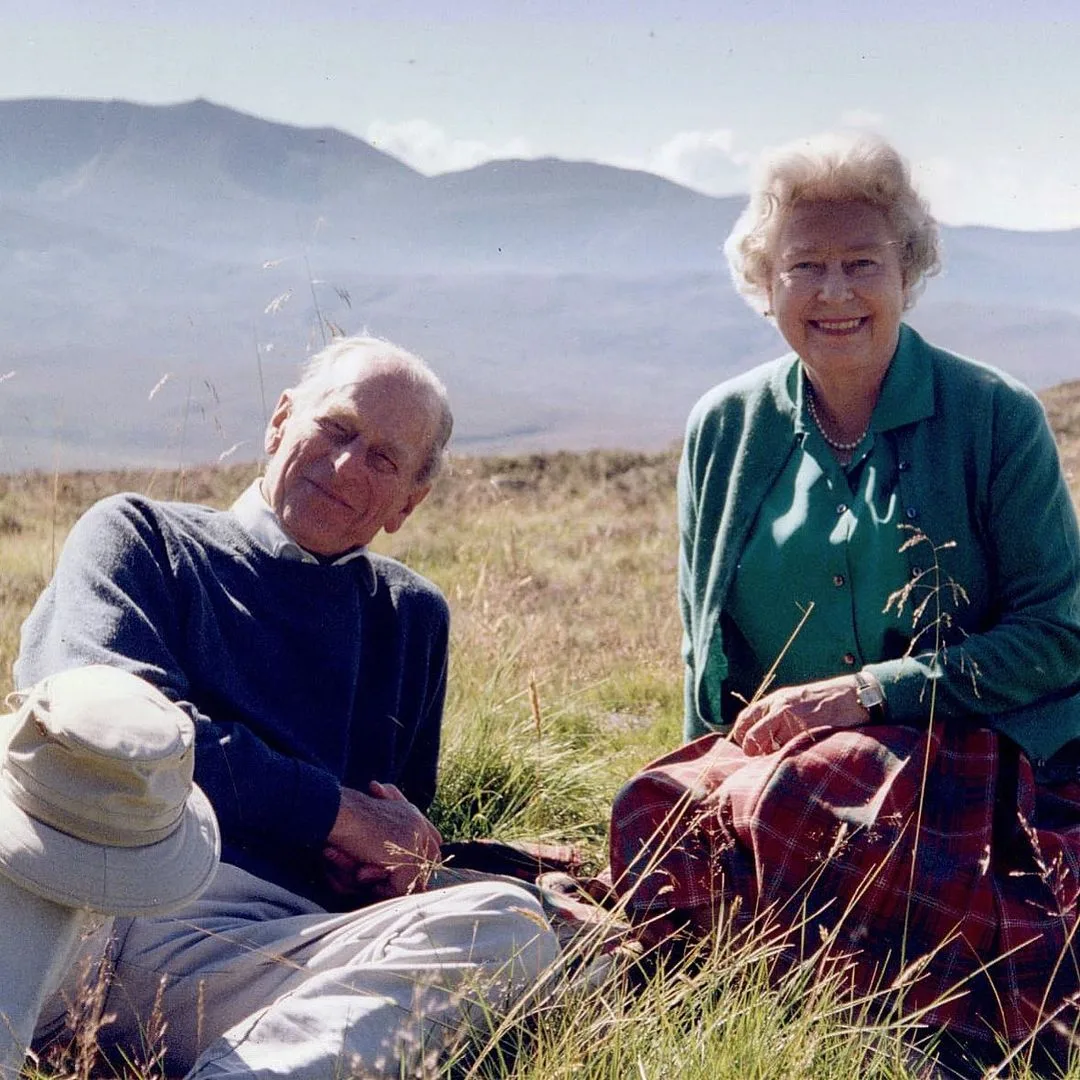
[
  {"x": 1063, "y": 407},
  {"x": 560, "y": 572}
]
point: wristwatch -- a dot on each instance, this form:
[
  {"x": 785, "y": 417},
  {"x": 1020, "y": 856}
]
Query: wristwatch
[{"x": 871, "y": 698}]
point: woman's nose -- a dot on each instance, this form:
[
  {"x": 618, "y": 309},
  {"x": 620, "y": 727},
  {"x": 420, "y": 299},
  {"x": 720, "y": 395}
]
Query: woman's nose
[{"x": 835, "y": 284}]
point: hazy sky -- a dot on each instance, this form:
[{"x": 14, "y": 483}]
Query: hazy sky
[{"x": 982, "y": 95}]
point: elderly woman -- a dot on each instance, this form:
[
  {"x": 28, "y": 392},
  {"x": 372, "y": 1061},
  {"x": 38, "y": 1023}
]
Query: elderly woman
[{"x": 880, "y": 591}]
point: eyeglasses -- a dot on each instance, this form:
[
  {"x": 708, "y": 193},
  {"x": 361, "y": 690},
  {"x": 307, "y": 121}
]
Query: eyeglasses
[{"x": 809, "y": 274}]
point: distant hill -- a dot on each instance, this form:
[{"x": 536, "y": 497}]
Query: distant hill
[{"x": 566, "y": 304}]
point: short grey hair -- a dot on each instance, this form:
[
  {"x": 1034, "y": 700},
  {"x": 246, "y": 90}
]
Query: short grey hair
[
  {"x": 831, "y": 168},
  {"x": 364, "y": 353}
]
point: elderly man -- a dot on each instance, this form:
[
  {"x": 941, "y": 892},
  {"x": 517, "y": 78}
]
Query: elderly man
[{"x": 315, "y": 673}]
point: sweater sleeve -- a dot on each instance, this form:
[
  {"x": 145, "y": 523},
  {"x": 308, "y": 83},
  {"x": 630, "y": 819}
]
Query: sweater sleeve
[
  {"x": 1029, "y": 650},
  {"x": 687, "y": 504},
  {"x": 703, "y": 487},
  {"x": 418, "y": 777},
  {"x": 115, "y": 599}
]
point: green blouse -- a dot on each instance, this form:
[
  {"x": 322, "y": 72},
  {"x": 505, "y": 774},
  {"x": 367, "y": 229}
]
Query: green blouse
[{"x": 823, "y": 556}]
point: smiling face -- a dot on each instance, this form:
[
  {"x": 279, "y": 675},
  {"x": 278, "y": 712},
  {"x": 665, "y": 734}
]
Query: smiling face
[
  {"x": 345, "y": 465},
  {"x": 836, "y": 287}
]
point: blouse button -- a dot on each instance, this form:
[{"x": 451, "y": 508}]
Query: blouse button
[
  {"x": 838, "y": 580},
  {"x": 849, "y": 659},
  {"x": 903, "y": 466},
  {"x": 911, "y": 512},
  {"x": 841, "y": 508}
]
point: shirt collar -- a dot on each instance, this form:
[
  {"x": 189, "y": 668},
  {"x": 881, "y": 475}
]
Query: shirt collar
[
  {"x": 907, "y": 392},
  {"x": 255, "y": 515}
]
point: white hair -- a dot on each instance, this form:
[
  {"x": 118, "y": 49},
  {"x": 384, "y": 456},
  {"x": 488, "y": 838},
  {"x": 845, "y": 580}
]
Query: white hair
[
  {"x": 363, "y": 354},
  {"x": 831, "y": 168}
]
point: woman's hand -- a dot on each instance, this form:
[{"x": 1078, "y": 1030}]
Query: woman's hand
[{"x": 771, "y": 721}]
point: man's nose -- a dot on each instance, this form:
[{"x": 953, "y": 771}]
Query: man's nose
[{"x": 350, "y": 458}]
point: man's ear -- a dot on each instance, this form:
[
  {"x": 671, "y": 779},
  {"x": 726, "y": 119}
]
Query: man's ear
[
  {"x": 276, "y": 428},
  {"x": 414, "y": 500}
]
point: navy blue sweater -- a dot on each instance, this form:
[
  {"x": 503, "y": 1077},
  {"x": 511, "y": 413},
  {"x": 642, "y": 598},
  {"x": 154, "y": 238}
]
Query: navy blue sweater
[{"x": 300, "y": 677}]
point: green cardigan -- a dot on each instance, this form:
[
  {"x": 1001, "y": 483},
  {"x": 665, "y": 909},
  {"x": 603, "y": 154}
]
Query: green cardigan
[{"x": 979, "y": 478}]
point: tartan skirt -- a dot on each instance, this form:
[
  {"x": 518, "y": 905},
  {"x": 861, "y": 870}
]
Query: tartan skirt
[{"x": 927, "y": 860}]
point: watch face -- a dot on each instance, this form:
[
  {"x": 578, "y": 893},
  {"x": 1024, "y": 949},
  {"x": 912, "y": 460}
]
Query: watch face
[{"x": 868, "y": 694}]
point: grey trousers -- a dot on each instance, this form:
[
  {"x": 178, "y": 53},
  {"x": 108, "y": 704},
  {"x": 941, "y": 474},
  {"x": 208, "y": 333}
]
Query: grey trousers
[
  {"x": 253, "y": 981},
  {"x": 38, "y": 941}
]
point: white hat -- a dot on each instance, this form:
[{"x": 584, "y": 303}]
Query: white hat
[{"x": 97, "y": 805}]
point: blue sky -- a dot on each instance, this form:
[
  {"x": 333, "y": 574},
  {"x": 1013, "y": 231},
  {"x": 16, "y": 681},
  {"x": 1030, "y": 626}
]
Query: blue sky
[{"x": 984, "y": 98}]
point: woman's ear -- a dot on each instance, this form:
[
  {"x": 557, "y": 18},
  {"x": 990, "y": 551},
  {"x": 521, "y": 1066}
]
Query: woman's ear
[{"x": 767, "y": 286}]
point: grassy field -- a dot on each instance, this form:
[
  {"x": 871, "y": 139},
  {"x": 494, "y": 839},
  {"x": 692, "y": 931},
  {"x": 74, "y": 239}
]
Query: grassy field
[
  {"x": 565, "y": 677},
  {"x": 560, "y": 572}
]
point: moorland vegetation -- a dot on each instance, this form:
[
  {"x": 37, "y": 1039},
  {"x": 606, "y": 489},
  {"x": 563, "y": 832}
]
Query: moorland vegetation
[{"x": 565, "y": 678}]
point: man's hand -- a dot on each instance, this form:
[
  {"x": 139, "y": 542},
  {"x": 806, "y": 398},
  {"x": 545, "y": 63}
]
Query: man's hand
[
  {"x": 770, "y": 722},
  {"x": 380, "y": 844}
]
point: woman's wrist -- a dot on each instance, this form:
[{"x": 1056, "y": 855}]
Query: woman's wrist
[{"x": 870, "y": 695}]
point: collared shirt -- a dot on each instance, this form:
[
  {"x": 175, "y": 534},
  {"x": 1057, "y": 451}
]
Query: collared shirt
[
  {"x": 828, "y": 541},
  {"x": 255, "y": 515}
]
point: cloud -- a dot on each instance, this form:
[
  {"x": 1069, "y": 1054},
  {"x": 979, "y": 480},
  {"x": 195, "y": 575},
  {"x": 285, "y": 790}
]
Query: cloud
[
  {"x": 705, "y": 160},
  {"x": 1006, "y": 192},
  {"x": 429, "y": 149},
  {"x": 998, "y": 191}
]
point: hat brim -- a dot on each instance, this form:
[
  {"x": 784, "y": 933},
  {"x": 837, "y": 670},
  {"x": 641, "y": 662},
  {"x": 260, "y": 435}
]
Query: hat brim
[{"x": 153, "y": 879}]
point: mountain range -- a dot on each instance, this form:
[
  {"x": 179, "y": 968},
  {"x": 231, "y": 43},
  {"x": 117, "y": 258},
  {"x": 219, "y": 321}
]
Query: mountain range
[{"x": 164, "y": 270}]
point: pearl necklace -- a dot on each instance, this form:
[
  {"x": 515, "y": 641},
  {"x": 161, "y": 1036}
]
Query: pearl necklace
[{"x": 843, "y": 447}]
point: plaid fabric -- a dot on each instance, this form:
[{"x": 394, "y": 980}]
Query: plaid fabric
[{"x": 822, "y": 835}]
